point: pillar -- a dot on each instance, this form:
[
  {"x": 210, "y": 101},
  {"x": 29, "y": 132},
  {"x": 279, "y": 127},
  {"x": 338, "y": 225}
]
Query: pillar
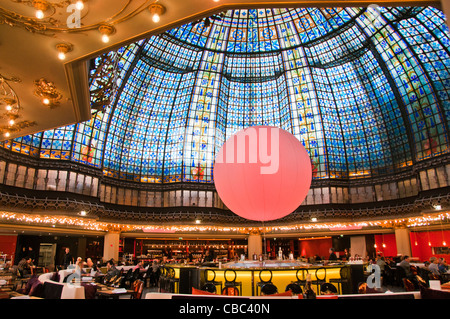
[
  {"x": 81, "y": 249},
  {"x": 254, "y": 245},
  {"x": 403, "y": 241},
  {"x": 111, "y": 246}
]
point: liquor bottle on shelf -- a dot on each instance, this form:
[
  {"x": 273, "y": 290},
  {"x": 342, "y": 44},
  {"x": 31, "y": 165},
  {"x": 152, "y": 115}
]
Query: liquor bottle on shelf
[
  {"x": 309, "y": 292},
  {"x": 280, "y": 254}
]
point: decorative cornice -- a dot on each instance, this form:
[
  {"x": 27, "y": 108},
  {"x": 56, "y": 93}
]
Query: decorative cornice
[{"x": 72, "y": 204}]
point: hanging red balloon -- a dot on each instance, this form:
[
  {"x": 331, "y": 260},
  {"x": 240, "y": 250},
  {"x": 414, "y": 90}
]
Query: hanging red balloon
[{"x": 262, "y": 173}]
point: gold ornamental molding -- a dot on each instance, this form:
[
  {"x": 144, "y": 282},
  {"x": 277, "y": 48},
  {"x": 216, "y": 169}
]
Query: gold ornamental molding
[
  {"x": 10, "y": 109},
  {"x": 47, "y": 92},
  {"x": 65, "y": 16}
]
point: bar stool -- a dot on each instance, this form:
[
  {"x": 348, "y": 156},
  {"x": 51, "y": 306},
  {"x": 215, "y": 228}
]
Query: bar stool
[
  {"x": 211, "y": 283},
  {"x": 295, "y": 288},
  {"x": 301, "y": 281},
  {"x": 327, "y": 289},
  {"x": 270, "y": 287},
  {"x": 344, "y": 278},
  {"x": 231, "y": 283},
  {"x": 174, "y": 283},
  {"x": 163, "y": 279},
  {"x": 320, "y": 279}
]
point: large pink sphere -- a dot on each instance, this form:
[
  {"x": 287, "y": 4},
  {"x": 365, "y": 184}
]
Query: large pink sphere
[{"x": 262, "y": 173}]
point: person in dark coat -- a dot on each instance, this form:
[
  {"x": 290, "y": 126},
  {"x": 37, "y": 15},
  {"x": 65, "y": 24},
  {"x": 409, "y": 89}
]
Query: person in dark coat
[
  {"x": 332, "y": 255},
  {"x": 68, "y": 259}
]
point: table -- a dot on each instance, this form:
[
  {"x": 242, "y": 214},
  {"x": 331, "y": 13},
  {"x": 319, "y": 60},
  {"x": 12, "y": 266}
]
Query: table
[
  {"x": 6, "y": 293},
  {"x": 446, "y": 276},
  {"x": 446, "y": 286},
  {"x": 109, "y": 293}
]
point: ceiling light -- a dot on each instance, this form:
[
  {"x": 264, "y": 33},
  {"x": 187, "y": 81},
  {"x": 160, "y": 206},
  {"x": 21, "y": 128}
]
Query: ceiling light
[
  {"x": 437, "y": 207},
  {"x": 63, "y": 48},
  {"x": 198, "y": 221},
  {"x": 313, "y": 219},
  {"x": 156, "y": 10},
  {"x": 7, "y": 134},
  {"x": 9, "y": 103},
  {"x": 83, "y": 213},
  {"x": 40, "y": 6},
  {"x": 39, "y": 14},
  {"x": 106, "y": 31},
  {"x": 79, "y": 5}
]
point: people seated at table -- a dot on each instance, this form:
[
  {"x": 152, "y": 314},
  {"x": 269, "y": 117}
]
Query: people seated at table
[
  {"x": 24, "y": 267},
  {"x": 139, "y": 266},
  {"x": 406, "y": 265},
  {"x": 442, "y": 266},
  {"x": 79, "y": 265},
  {"x": 434, "y": 265},
  {"x": 381, "y": 263},
  {"x": 112, "y": 271}
]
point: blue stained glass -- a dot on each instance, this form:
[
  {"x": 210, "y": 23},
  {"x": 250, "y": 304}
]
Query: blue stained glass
[{"x": 360, "y": 110}]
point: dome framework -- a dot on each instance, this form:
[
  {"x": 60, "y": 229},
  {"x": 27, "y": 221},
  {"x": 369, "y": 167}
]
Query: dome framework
[{"x": 365, "y": 93}]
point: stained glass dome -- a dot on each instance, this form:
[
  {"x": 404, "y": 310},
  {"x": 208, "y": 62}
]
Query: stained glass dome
[{"x": 366, "y": 91}]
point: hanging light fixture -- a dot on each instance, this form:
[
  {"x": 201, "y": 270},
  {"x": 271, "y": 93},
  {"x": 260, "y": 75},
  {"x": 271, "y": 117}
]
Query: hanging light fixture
[
  {"x": 156, "y": 10},
  {"x": 428, "y": 233},
  {"x": 442, "y": 233}
]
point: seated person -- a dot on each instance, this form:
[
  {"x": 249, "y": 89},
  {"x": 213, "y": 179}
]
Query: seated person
[
  {"x": 434, "y": 266},
  {"x": 443, "y": 267},
  {"x": 24, "y": 267},
  {"x": 112, "y": 270}
]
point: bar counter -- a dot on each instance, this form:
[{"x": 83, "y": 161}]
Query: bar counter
[{"x": 249, "y": 273}]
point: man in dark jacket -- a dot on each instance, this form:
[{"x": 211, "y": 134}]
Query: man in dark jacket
[
  {"x": 68, "y": 259},
  {"x": 332, "y": 255}
]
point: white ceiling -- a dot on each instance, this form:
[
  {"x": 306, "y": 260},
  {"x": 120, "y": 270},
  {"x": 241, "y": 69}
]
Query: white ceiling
[{"x": 30, "y": 56}]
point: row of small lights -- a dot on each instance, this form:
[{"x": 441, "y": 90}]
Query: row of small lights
[
  {"x": 156, "y": 10},
  {"x": 102, "y": 226},
  {"x": 199, "y": 246}
]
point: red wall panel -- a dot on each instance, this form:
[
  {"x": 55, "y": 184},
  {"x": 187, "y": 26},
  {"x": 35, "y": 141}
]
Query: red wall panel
[
  {"x": 390, "y": 249},
  {"x": 309, "y": 248},
  {"x": 8, "y": 244},
  {"x": 420, "y": 243}
]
